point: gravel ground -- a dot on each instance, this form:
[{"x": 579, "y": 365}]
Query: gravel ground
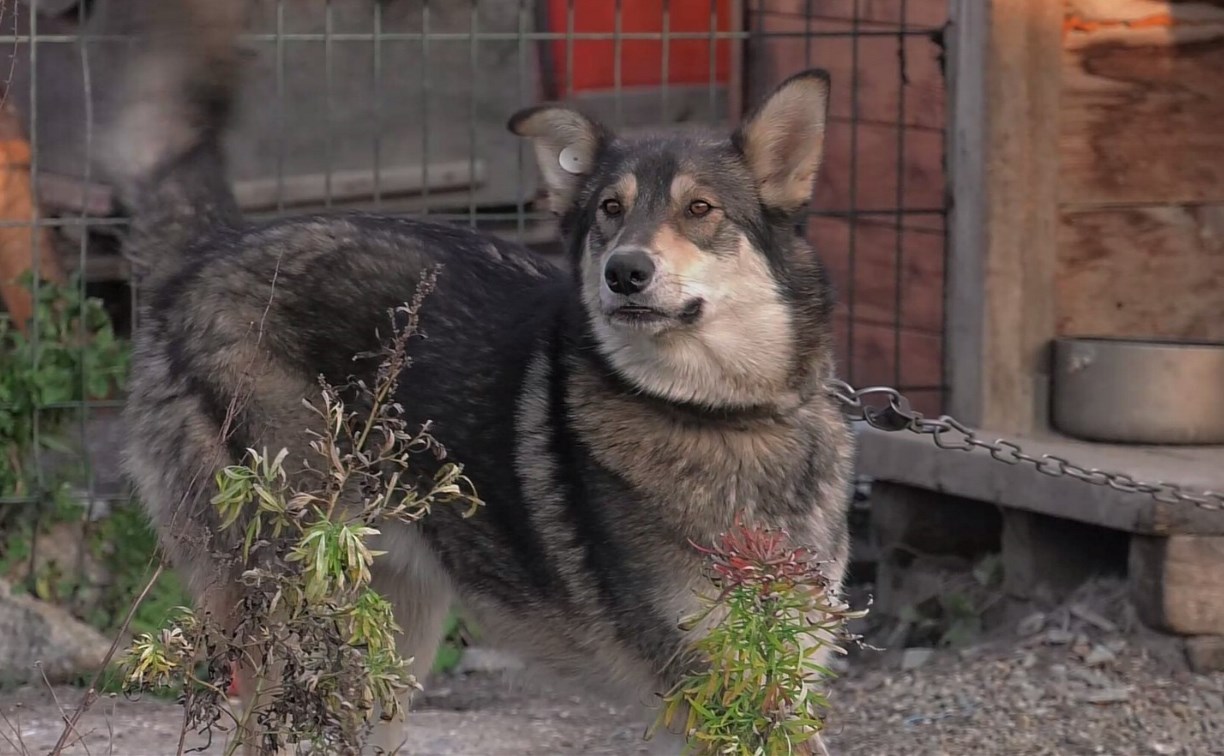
[
  {"x": 1056, "y": 684},
  {"x": 1032, "y": 700}
]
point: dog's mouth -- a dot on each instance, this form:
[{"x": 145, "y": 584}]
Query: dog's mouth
[{"x": 646, "y": 316}]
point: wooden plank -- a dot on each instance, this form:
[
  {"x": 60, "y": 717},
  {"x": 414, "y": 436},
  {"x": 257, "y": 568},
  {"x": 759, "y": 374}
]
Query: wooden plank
[
  {"x": 1002, "y": 151},
  {"x": 1047, "y": 558},
  {"x": 1177, "y": 583},
  {"x": 875, "y": 269},
  {"x": 99, "y": 268},
  {"x": 888, "y": 66},
  {"x": 1145, "y": 12},
  {"x": 866, "y": 158},
  {"x": 876, "y": 349},
  {"x": 894, "y": 12},
  {"x": 918, "y": 532},
  {"x": 353, "y": 185},
  {"x": 299, "y": 123},
  {"x": 915, "y": 460},
  {"x": 74, "y": 195},
  {"x": 864, "y": 166},
  {"x": 1151, "y": 272},
  {"x": 867, "y": 355},
  {"x": 1142, "y": 109}
]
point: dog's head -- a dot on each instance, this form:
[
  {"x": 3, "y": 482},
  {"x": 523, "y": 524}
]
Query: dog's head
[{"x": 695, "y": 284}]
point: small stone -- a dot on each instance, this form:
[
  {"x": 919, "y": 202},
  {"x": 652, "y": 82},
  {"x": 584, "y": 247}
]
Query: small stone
[
  {"x": 972, "y": 652},
  {"x": 1032, "y": 694},
  {"x": 913, "y": 658},
  {"x": 33, "y": 632},
  {"x": 1094, "y": 679},
  {"x": 1032, "y": 624},
  {"x": 1163, "y": 749},
  {"x": 1092, "y": 618},
  {"x": 1108, "y": 696},
  {"x": 1205, "y": 653},
  {"x": 1098, "y": 656},
  {"x": 1058, "y": 637}
]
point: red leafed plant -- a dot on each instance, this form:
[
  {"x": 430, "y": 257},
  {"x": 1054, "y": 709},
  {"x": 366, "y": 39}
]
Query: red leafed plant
[{"x": 771, "y": 620}]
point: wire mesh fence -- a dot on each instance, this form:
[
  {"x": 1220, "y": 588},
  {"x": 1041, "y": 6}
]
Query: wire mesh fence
[{"x": 400, "y": 106}]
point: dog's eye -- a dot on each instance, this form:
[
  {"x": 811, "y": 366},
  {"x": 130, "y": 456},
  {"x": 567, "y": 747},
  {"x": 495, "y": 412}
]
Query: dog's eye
[
  {"x": 699, "y": 208},
  {"x": 611, "y": 207}
]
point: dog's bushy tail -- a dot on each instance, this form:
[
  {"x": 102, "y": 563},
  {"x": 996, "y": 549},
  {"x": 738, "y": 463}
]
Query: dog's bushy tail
[{"x": 161, "y": 125}]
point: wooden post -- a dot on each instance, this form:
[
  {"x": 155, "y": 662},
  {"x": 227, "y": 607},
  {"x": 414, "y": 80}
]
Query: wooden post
[
  {"x": 1004, "y": 81},
  {"x": 22, "y": 247},
  {"x": 1177, "y": 583}
]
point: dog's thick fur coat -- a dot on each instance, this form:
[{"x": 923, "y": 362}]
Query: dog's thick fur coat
[{"x": 609, "y": 417}]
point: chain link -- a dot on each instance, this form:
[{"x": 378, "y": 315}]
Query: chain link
[{"x": 887, "y": 409}]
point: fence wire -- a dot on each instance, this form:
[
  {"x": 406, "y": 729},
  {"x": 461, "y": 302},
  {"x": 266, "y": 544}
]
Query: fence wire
[{"x": 400, "y": 106}]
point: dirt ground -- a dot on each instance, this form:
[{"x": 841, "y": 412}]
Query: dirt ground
[{"x": 1075, "y": 680}]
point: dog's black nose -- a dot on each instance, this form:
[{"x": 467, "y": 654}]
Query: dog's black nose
[{"x": 628, "y": 272}]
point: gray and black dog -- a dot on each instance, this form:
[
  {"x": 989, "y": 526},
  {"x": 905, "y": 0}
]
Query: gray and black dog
[{"x": 609, "y": 417}]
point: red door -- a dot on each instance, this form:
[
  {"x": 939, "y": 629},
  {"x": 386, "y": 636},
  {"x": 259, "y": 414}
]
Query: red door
[{"x": 641, "y": 60}]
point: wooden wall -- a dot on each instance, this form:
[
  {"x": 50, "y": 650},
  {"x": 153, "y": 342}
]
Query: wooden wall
[
  {"x": 1141, "y": 187},
  {"x": 879, "y": 219}
]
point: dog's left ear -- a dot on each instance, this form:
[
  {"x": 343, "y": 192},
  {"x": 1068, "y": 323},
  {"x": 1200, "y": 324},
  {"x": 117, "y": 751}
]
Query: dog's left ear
[
  {"x": 783, "y": 140},
  {"x": 566, "y": 143}
]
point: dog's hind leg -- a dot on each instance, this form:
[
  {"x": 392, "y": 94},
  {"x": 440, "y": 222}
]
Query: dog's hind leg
[
  {"x": 410, "y": 577},
  {"x": 256, "y": 680},
  {"x": 256, "y": 690}
]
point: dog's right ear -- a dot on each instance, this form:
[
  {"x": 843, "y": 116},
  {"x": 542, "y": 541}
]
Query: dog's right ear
[
  {"x": 783, "y": 140},
  {"x": 567, "y": 145}
]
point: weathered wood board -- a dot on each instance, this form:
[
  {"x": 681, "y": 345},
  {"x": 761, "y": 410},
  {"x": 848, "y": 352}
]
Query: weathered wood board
[
  {"x": 1003, "y": 133},
  {"x": 911, "y": 13},
  {"x": 1177, "y": 583},
  {"x": 868, "y": 170},
  {"x": 883, "y": 180},
  {"x": 1143, "y": 104},
  {"x": 1143, "y": 12},
  {"x": 1141, "y": 235},
  {"x": 884, "y": 149},
  {"x": 874, "y": 87},
  {"x": 1151, "y": 272},
  {"x": 867, "y": 355},
  {"x": 882, "y": 258}
]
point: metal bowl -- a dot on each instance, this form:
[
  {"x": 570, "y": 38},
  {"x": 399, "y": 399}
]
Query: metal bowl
[{"x": 1138, "y": 391}]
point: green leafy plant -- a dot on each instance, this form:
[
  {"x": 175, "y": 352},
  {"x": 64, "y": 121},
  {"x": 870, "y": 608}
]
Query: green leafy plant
[
  {"x": 952, "y": 614},
  {"x": 68, "y": 354},
  {"x": 756, "y": 687},
  {"x": 451, "y": 649},
  {"x": 125, "y": 546},
  {"x": 316, "y": 634}
]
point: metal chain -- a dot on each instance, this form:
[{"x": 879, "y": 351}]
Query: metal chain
[{"x": 894, "y": 413}]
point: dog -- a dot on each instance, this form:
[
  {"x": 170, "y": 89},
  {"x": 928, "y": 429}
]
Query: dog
[{"x": 610, "y": 416}]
